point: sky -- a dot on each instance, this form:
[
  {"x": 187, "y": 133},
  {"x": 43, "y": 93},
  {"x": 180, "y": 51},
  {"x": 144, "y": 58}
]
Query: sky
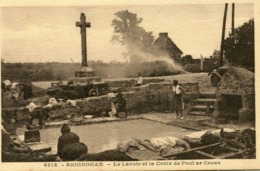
[{"x": 49, "y": 34}]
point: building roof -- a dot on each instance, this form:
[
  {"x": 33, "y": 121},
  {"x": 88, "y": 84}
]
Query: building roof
[{"x": 164, "y": 42}]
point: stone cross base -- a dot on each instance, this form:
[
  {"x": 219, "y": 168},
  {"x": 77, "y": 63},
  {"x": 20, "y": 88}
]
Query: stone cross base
[
  {"x": 80, "y": 74},
  {"x": 85, "y": 72},
  {"x": 84, "y": 80}
]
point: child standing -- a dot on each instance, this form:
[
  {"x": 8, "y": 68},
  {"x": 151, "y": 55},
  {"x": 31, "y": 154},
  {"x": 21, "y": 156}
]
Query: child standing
[{"x": 177, "y": 101}]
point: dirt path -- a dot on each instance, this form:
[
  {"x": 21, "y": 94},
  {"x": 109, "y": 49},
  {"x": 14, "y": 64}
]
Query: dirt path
[{"x": 202, "y": 78}]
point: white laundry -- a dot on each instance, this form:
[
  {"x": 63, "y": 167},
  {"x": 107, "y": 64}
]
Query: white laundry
[
  {"x": 196, "y": 135},
  {"x": 162, "y": 142},
  {"x": 31, "y": 106},
  {"x": 72, "y": 102}
]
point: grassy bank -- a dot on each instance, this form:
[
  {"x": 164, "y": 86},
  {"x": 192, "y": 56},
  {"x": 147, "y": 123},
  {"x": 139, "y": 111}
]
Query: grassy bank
[{"x": 63, "y": 71}]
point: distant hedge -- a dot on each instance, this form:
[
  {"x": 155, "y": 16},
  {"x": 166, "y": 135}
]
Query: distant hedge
[
  {"x": 55, "y": 71},
  {"x": 64, "y": 71},
  {"x": 30, "y": 71}
]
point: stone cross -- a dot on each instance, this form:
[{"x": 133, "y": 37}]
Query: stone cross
[{"x": 83, "y": 24}]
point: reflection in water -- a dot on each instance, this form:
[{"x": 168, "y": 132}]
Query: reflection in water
[
  {"x": 105, "y": 136},
  {"x": 113, "y": 140}
]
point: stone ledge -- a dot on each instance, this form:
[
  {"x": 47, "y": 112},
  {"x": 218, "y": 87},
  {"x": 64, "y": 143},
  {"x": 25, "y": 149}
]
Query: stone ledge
[
  {"x": 90, "y": 121},
  {"x": 39, "y": 147}
]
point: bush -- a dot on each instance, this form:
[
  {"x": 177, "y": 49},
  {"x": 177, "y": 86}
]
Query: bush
[{"x": 208, "y": 66}]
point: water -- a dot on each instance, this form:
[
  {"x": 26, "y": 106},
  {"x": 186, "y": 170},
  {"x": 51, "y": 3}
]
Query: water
[{"x": 106, "y": 136}]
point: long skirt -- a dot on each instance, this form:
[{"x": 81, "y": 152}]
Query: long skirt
[{"x": 177, "y": 102}]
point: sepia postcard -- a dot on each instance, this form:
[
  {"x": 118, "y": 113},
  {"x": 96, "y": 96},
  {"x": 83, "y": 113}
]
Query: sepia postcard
[{"x": 129, "y": 85}]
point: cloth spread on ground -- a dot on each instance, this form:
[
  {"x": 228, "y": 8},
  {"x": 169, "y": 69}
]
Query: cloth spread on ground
[
  {"x": 152, "y": 149},
  {"x": 168, "y": 150},
  {"x": 162, "y": 142},
  {"x": 226, "y": 133},
  {"x": 226, "y": 130},
  {"x": 195, "y": 138},
  {"x": 199, "y": 138},
  {"x": 136, "y": 150},
  {"x": 124, "y": 145},
  {"x": 196, "y": 135}
]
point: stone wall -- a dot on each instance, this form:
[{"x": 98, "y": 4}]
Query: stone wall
[
  {"x": 239, "y": 82},
  {"x": 147, "y": 98},
  {"x": 236, "y": 81},
  {"x": 157, "y": 97},
  {"x": 128, "y": 83}
]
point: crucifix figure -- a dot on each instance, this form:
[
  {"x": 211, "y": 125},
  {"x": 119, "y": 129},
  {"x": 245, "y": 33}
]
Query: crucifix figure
[{"x": 83, "y": 24}]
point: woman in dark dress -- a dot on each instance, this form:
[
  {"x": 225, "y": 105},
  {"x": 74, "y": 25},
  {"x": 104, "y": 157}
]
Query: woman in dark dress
[
  {"x": 69, "y": 146},
  {"x": 120, "y": 105}
]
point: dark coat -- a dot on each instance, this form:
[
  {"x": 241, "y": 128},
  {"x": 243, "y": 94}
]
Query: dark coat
[
  {"x": 69, "y": 147},
  {"x": 65, "y": 139},
  {"x": 121, "y": 105},
  {"x": 27, "y": 91}
]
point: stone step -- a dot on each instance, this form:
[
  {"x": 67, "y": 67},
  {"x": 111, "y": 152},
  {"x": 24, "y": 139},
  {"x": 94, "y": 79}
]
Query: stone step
[
  {"x": 205, "y": 101},
  {"x": 201, "y": 108},
  {"x": 207, "y": 95},
  {"x": 198, "y": 113}
]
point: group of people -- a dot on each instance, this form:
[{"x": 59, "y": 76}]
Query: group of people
[
  {"x": 16, "y": 91},
  {"x": 177, "y": 100},
  {"x": 118, "y": 102},
  {"x": 69, "y": 145}
]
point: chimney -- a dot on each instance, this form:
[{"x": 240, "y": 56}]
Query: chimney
[{"x": 164, "y": 35}]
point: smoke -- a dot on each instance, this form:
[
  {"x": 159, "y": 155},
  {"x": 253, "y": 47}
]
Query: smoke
[{"x": 152, "y": 65}]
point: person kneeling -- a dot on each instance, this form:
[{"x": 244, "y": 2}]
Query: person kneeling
[
  {"x": 120, "y": 105},
  {"x": 69, "y": 146}
]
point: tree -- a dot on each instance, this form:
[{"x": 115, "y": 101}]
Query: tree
[
  {"x": 128, "y": 33},
  {"x": 242, "y": 52},
  {"x": 187, "y": 59}
]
